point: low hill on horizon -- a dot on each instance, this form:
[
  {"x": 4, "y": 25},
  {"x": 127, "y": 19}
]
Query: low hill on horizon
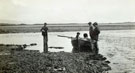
[
  {"x": 25, "y": 28},
  {"x": 70, "y": 24}
]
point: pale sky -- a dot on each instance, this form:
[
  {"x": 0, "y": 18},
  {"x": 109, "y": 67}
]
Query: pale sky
[{"x": 67, "y": 11}]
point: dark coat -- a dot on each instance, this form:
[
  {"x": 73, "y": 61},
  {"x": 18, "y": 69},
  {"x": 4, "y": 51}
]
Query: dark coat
[
  {"x": 95, "y": 33},
  {"x": 91, "y": 32},
  {"x": 44, "y": 31}
]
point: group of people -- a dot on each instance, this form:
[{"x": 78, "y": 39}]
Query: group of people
[{"x": 94, "y": 32}]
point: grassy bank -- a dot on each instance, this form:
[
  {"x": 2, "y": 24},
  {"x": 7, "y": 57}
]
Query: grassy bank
[{"x": 26, "y": 61}]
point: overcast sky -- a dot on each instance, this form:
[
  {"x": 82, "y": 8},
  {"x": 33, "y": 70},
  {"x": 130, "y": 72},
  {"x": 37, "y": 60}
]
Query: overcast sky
[{"x": 67, "y": 11}]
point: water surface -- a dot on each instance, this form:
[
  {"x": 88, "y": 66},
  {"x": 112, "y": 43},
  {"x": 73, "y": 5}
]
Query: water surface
[
  {"x": 54, "y": 40},
  {"x": 117, "y": 45}
]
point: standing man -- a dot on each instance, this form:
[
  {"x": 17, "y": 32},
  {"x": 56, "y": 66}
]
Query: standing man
[
  {"x": 76, "y": 48},
  {"x": 77, "y": 40},
  {"x": 91, "y": 35},
  {"x": 94, "y": 32},
  {"x": 90, "y": 30},
  {"x": 44, "y": 31},
  {"x": 95, "y": 35}
]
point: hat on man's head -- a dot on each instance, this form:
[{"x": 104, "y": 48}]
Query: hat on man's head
[
  {"x": 95, "y": 23},
  {"x": 89, "y": 23},
  {"x": 45, "y": 23},
  {"x": 78, "y": 32}
]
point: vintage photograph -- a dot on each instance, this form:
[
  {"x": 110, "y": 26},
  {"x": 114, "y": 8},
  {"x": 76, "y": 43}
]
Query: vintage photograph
[{"x": 67, "y": 36}]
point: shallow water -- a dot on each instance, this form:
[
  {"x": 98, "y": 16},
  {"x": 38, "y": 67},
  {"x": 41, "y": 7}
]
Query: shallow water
[
  {"x": 28, "y": 38},
  {"x": 117, "y": 45},
  {"x": 54, "y": 40}
]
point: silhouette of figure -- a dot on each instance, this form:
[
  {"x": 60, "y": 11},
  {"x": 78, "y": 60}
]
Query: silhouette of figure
[
  {"x": 94, "y": 36},
  {"x": 90, "y": 30},
  {"x": 86, "y": 45},
  {"x": 44, "y": 30},
  {"x": 75, "y": 43}
]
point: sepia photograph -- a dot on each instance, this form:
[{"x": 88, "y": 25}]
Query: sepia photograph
[{"x": 67, "y": 36}]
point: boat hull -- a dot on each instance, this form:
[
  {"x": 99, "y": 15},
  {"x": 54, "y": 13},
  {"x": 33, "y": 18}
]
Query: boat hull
[{"x": 80, "y": 45}]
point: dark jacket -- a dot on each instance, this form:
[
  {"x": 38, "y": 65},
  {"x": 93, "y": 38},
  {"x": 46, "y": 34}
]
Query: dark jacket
[
  {"x": 91, "y": 32},
  {"x": 44, "y": 31},
  {"x": 95, "y": 33}
]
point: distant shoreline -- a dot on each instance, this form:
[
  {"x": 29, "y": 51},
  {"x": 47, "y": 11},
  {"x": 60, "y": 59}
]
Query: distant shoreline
[{"x": 62, "y": 28}]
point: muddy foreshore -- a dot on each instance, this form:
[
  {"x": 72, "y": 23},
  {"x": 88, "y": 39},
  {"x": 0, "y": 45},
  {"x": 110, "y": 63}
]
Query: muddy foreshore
[{"x": 14, "y": 59}]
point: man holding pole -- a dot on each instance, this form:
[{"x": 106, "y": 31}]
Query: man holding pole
[{"x": 44, "y": 31}]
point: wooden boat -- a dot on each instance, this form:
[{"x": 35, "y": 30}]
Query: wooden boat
[{"x": 81, "y": 45}]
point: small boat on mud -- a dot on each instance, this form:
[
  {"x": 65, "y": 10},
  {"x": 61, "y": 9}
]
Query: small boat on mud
[{"x": 81, "y": 45}]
